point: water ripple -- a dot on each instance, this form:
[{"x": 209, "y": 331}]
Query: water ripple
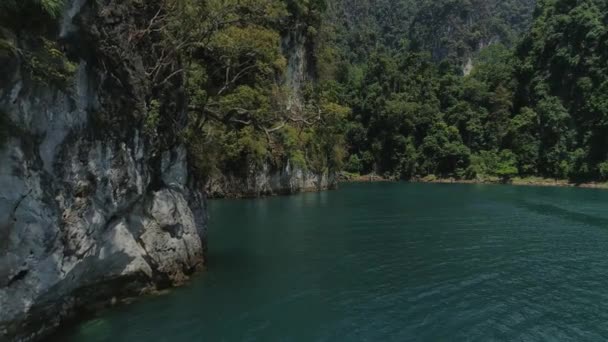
[{"x": 402, "y": 262}]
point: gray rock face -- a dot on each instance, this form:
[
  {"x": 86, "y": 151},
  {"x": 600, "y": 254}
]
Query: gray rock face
[
  {"x": 270, "y": 181},
  {"x": 87, "y": 216},
  {"x": 80, "y": 213}
]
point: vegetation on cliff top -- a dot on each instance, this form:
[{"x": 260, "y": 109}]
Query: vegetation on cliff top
[
  {"x": 383, "y": 88},
  {"x": 32, "y": 42},
  {"x": 242, "y": 115}
]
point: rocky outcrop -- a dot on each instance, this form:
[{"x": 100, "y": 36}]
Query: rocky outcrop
[
  {"x": 297, "y": 50},
  {"x": 92, "y": 209},
  {"x": 270, "y": 181}
]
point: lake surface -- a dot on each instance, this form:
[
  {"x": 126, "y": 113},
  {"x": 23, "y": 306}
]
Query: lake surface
[{"x": 389, "y": 262}]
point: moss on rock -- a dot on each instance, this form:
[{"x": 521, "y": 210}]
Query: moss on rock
[{"x": 47, "y": 64}]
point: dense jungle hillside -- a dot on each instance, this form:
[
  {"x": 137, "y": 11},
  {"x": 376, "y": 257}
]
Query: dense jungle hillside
[
  {"x": 474, "y": 89},
  {"x": 459, "y": 88}
]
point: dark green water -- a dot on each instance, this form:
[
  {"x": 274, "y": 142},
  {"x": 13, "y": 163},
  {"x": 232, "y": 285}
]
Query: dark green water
[{"x": 390, "y": 262}]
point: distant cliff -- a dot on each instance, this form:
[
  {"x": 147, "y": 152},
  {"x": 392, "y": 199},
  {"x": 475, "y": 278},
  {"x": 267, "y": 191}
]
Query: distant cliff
[{"x": 447, "y": 29}]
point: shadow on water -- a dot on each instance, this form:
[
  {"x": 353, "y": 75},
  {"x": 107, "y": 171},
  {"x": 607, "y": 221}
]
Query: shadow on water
[
  {"x": 229, "y": 260},
  {"x": 555, "y": 211}
]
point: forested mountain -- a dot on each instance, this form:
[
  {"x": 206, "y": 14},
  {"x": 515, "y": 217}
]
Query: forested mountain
[
  {"x": 529, "y": 106},
  {"x": 563, "y": 90},
  {"x": 448, "y": 29},
  {"x": 456, "y": 30}
]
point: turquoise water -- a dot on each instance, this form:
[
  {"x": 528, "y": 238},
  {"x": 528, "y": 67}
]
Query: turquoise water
[{"x": 389, "y": 262}]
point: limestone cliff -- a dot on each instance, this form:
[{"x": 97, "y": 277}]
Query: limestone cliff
[
  {"x": 93, "y": 207},
  {"x": 270, "y": 181},
  {"x": 286, "y": 177}
]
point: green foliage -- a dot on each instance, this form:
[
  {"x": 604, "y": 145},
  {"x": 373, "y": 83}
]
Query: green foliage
[
  {"x": 47, "y": 64},
  {"x": 506, "y": 169},
  {"x": 448, "y": 29},
  {"x": 242, "y": 118},
  {"x": 487, "y": 164},
  {"x": 152, "y": 118},
  {"x": 353, "y": 164},
  {"x": 292, "y": 141},
  {"x": 523, "y": 138},
  {"x": 38, "y": 12},
  {"x": 603, "y": 170},
  {"x": 412, "y": 116},
  {"x": 443, "y": 151},
  {"x": 247, "y": 49},
  {"x": 537, "y": 109},
  {"x": 51, "y": 7},
  {"x": 562, "y": 71},
  {"x": 455, "y": 29},
  {"x": 7, "y": 49},
  {"x": 418, "y": 118}
]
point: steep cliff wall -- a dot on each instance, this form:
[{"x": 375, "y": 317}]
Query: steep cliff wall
[
  {"x": 296, "y": 49},
  {"x": 91, "y": 207},
  {"x": 285, "y": 178}
]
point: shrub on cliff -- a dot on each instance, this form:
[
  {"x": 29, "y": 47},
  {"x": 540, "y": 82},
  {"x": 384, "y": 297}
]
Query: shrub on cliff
[{"x": 39, "y": 13}]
